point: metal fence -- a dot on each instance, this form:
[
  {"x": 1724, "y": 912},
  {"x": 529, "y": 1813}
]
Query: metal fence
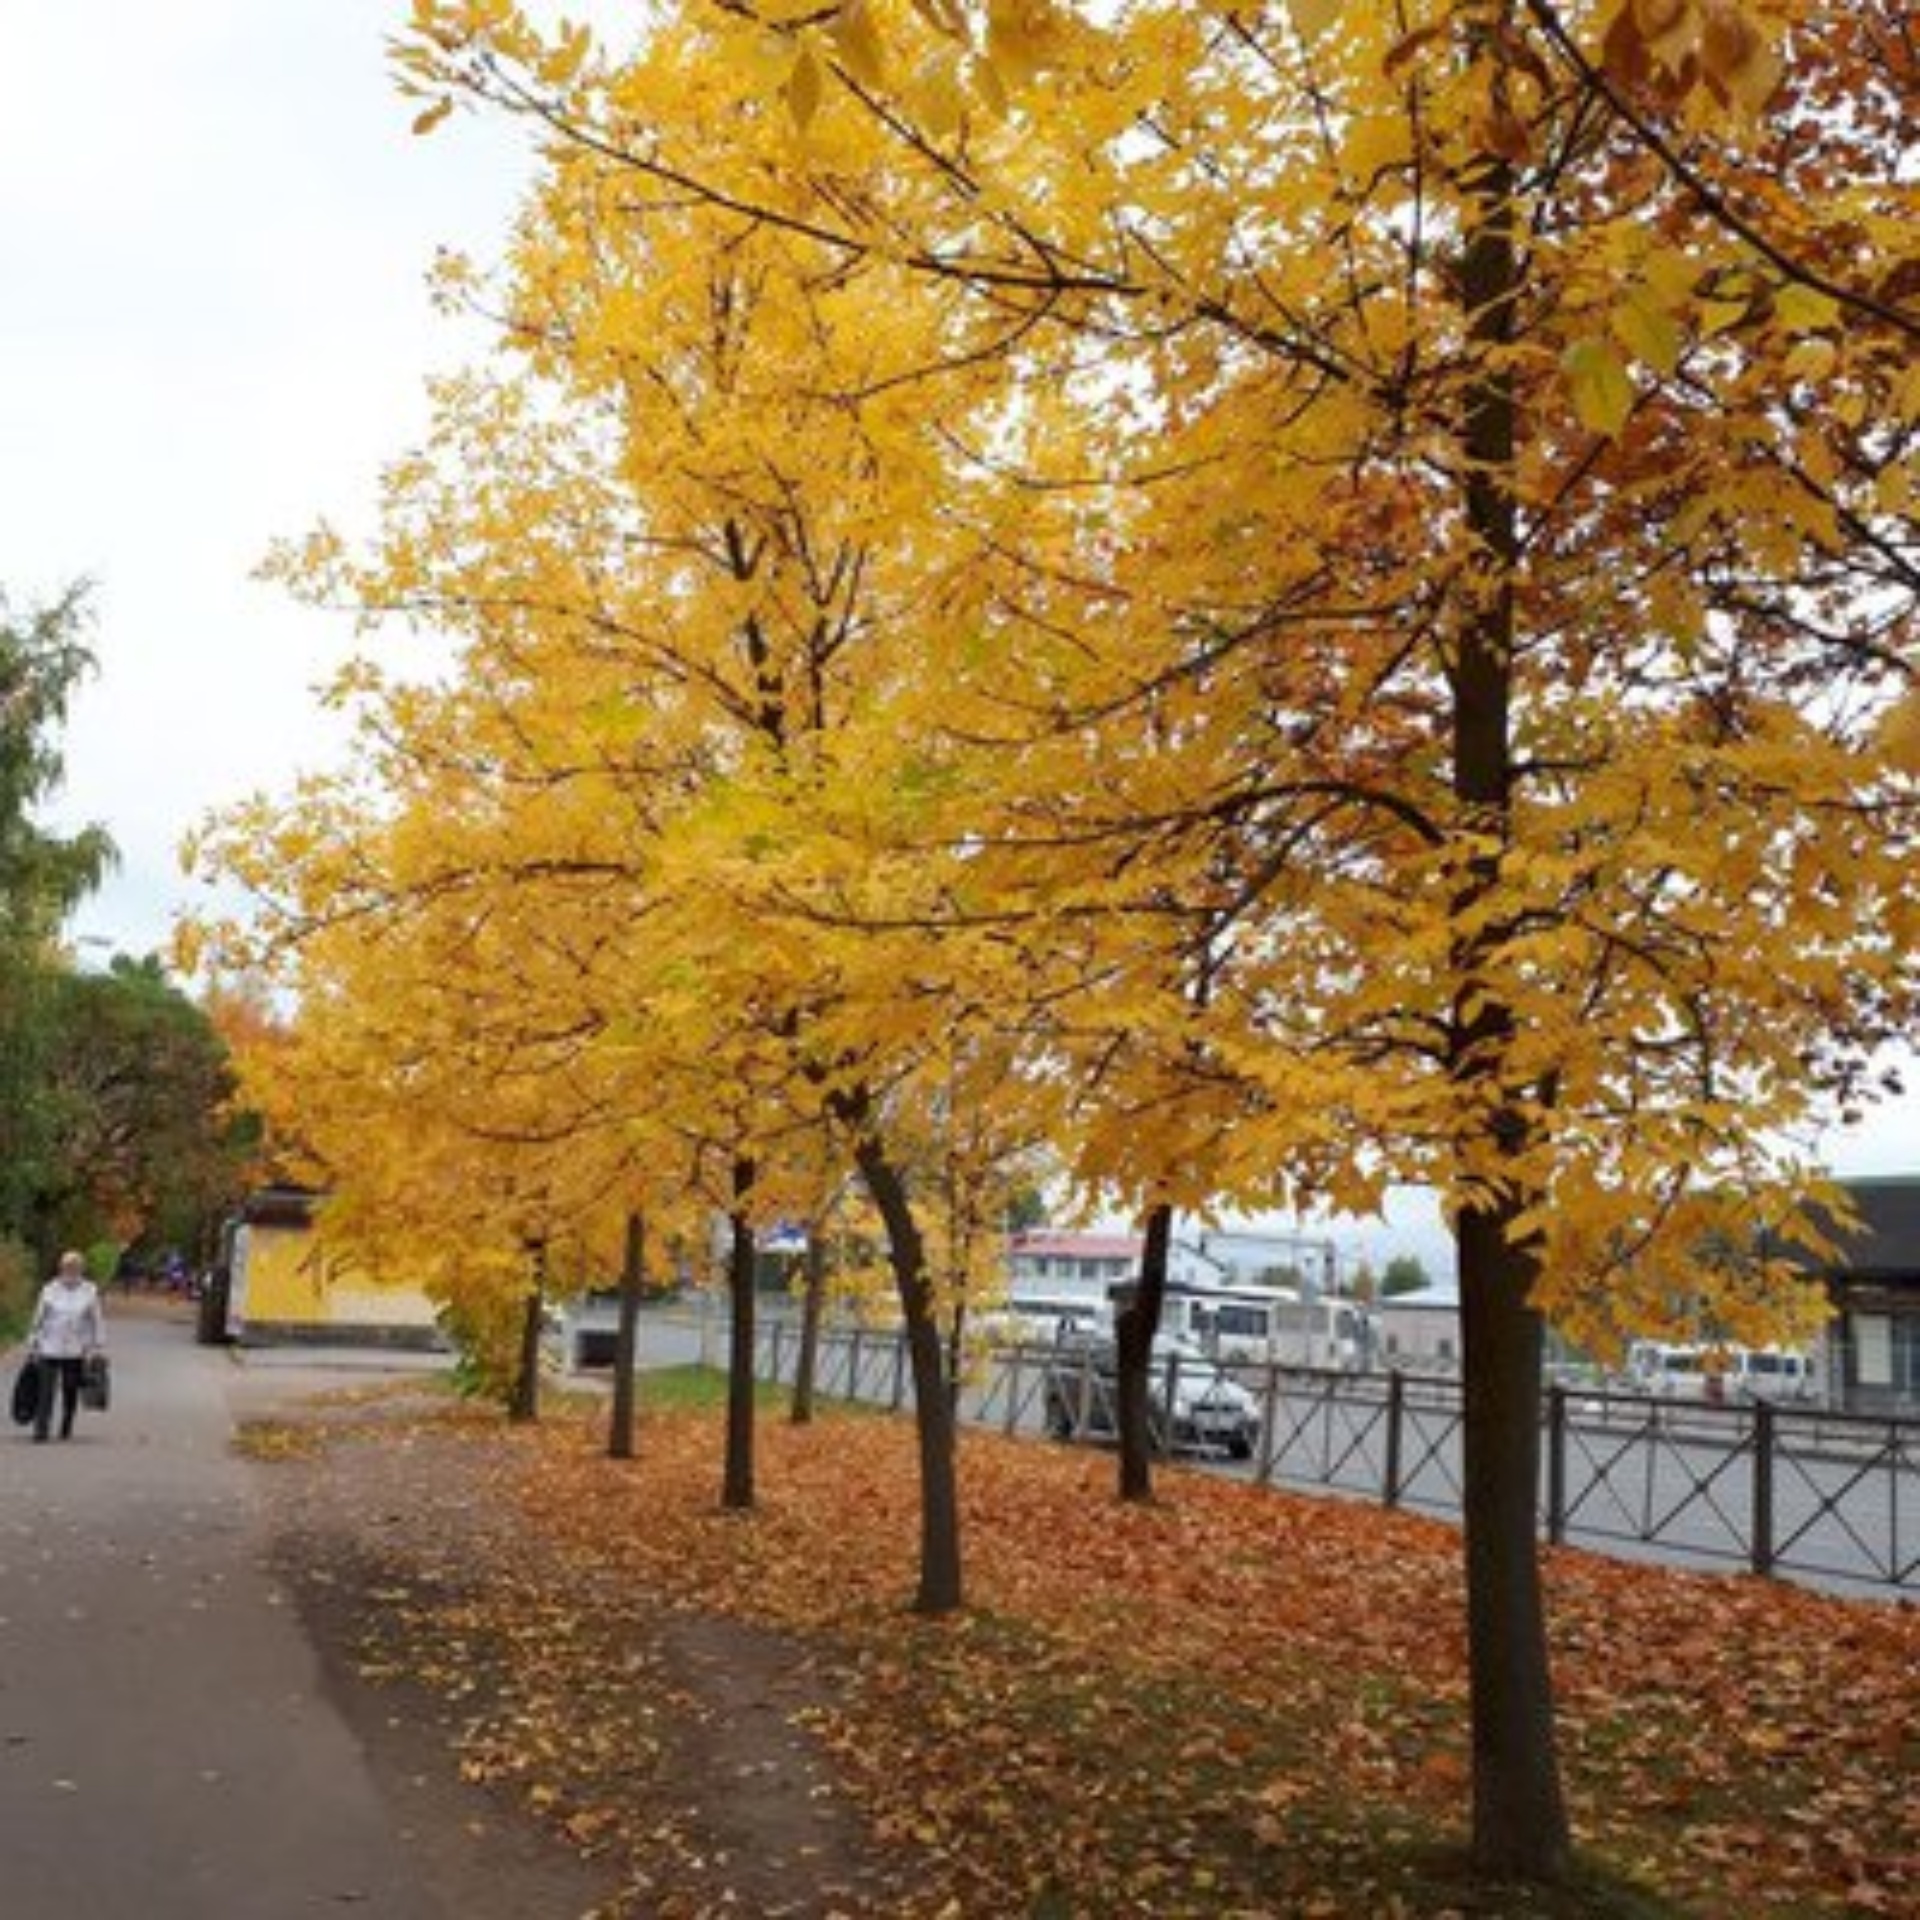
[{"x": 1831, "y": 1499}]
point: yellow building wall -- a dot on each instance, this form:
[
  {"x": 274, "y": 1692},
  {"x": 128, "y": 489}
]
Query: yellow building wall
[
  {"x": 285, "y": 1282},
  {"x": 290, "y": 1283}
]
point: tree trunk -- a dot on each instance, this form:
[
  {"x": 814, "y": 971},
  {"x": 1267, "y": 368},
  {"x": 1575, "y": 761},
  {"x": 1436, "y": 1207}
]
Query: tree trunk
[
  {"x": 1519, "y": 1820},
  {"x": 1134, "y": 1328},
  {"x": 941, "y": 1585},
  {"x": 736, "y": 1491},
  {"x": 812, "y": 1305},
  {"x": 523, "y": 1403},
  {"x": 626, "y": 1339}
]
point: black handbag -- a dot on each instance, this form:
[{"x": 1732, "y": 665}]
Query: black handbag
[
  {"x": 94, "y": 1382},
  {"x": 26, "y": 1393}
]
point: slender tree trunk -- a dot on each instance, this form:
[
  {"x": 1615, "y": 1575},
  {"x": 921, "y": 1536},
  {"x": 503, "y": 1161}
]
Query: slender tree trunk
[
  {"x": 523, "y": 1404},
  {"x": 812, "y": 1305},
  {"x": 1134, "y": 1328},
  {"x": 1519, "y": 1820},
  {"x": 956, "y": 1362},
  {"x": 626, "y": 1339},
  {"x": 736, "y": 1490},
  {"x": 941, "y": 1584}
]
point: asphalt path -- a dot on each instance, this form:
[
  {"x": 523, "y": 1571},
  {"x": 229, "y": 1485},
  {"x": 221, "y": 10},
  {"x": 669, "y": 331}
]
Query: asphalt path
[{"x": 171, "y": 1747}]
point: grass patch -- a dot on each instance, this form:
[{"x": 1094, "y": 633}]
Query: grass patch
[{"x": 696, "y": 1389}]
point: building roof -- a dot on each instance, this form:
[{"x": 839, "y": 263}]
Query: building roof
[
  {"x": 1428, "y": 1299},
  {"x": 1887, "y": 1239},
  {"x": 282, "y": 1205},
  {"x": 1077, "y": 1246}
]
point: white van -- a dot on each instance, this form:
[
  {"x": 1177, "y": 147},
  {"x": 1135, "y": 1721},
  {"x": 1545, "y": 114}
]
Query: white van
[
  {"x": 1776, "y": 1374},
  {"x": 1719, "y": 1373}
]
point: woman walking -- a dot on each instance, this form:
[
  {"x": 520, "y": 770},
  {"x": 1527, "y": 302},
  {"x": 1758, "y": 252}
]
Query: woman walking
[{"x": 66, "y": 1328}]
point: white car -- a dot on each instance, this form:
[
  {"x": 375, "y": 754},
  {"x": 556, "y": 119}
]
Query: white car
[{"x": 1193, "y": 1405}]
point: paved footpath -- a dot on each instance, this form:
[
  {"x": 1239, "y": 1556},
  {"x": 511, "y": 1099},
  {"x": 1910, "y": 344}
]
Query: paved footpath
[{"x": 167, "y": 1748}]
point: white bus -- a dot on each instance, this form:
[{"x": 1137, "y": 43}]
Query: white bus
[
  {"x": 1037, "y": 1316},
  {"x": 1719, "y": 1373},
  {"x": 1268, "y": 1324}
]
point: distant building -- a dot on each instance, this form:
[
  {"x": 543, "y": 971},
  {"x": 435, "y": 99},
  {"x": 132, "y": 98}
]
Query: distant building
[
  {"x": 1419, "y": 1331},
  {"x": 1046, "y": 1260},
  {"x": 1873, "y": 1345},
  {"x": 281, "y": 1287},
  {"x": 1307, "y": 1263},
  {"x": 1043, "y": 1262}
]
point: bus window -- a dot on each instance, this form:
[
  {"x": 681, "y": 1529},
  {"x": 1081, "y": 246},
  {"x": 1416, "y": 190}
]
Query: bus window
[{"x": 1242, "y": 1323}]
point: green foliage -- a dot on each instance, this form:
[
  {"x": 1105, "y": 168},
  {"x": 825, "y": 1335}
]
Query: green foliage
[
  {"x": 1404, "y": 1273},
  {"x": 43, "y": 875},
  {"x": 1026, "y": 1208},
  {"x": 19, "y": 1280},
  {"x": 140, "y": 1143},
  {"x": 114, "y": 1088}
]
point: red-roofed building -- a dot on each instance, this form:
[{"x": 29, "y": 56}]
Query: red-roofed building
[{"x": 1079, "y": 1264}]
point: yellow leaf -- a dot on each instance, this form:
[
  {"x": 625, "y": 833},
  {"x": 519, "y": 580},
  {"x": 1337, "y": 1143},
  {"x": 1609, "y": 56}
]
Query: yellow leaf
[
  {"x": 1900, "y": 734},
  {"x": 1802, "y": 309},
  {"x": 1377, "y": 142},
  {"x": 858, "y": 43},
  {"x": 804, "y": 87},
  {"x": 1023, "y": 38},
  {"x": 1666, "y": 27},
  {"x": 1647, "y": 332},
  {"x": 431, "y": 118},
  {"x": 1600, "y": 385},
  {"x": 943, "y": 16},
  {"x": 1716, "y": 316},
  {"x": 937, "y": 91},
  {"x": 1812, "y": 360},
  {"x": 1313, "y": 17},
  {"x": 1735, "y": 57},
  {"x": 1670, "y": 275},
  {"x": 989, "y": 88}
]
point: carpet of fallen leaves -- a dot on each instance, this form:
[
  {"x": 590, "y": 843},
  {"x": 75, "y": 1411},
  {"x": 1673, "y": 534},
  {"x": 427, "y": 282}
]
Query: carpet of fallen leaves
[{"x": 1231, "y": 1702}]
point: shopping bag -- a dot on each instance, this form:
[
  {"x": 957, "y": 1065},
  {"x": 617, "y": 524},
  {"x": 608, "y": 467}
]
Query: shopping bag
[
  {"x": 94, "y": 1381},
  {"x": 26, "y": 1393}
]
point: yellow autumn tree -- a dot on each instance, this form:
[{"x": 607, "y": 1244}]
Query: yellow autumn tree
[
  {"x": 692, "y": 536},
  {"x": 1525, "y": 635}
]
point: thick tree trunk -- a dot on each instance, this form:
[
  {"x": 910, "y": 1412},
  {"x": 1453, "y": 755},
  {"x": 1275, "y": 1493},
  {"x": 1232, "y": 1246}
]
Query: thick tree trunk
[
  {"x": 1519, "y": 1820},
  {"x": 941, "y": 1584},
  {"x": 813, "y": 1301},
  {"x": 523, "y": 1403},
  {"x": 626, "y": 1339},
  {"x": 736, "y": 1490},
  {"x": 1134, "y": 1328}
]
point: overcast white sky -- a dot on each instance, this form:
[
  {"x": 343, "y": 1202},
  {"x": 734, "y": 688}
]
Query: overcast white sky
[{"x": 217, "y": 229}]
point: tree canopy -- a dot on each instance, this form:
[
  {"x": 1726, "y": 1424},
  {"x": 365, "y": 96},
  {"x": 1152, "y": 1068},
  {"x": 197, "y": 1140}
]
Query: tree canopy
[{"x": 1273, "y": 600}]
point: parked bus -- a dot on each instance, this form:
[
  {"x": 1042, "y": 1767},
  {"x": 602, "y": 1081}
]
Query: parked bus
[
  {"x": 1719, "y": 1373},
  {"x": 1032, "y": 1316},
  {"x": 1262, "y": 1324}
]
